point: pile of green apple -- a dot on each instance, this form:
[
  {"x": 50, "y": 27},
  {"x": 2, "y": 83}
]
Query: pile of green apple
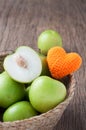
[{"x": 26, "y": 86}]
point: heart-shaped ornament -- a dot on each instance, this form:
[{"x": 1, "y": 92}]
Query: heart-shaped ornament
[{"x": 61, "y": 63}]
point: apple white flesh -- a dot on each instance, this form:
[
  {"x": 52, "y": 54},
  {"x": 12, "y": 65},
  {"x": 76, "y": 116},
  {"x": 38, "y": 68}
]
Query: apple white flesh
[{"x": 24, "y": 65}]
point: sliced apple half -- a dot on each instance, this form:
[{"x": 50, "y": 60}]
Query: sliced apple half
[{"x": 24, "y": 65}]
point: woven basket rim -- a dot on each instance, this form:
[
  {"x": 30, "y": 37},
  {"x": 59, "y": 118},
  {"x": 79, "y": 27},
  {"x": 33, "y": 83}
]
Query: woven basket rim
[{"x": 55, "y": 109}]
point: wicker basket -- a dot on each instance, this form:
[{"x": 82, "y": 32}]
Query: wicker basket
[{"x": 44, "y": 121}]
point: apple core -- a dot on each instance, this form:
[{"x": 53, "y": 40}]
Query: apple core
[{"x": 21, "y": 61}]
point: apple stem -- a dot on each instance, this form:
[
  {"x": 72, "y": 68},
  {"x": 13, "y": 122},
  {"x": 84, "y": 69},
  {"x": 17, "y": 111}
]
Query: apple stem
[{"x": 21, "y": 61}]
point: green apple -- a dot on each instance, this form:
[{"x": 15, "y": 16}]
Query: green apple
[
  {"x": 45, "y": 69},
  {"x": 48, "y": 39},
  {"x": 45, "y": 93},
  {"x": 10, "y": 90},
  {"x": 26, "y": 93},
  {"x": 19, "y": 111},
  {"x": 24, "y": 65}
]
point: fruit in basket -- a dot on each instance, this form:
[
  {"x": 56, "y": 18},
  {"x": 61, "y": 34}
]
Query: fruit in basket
[
  {"x": 45, "y": 93},
  {"x": 48, "y": 39},
  {"x": 10, "y": 90},
  {"x": 45, "y": 69},
  {"x": 61, "y": 63},
  {"x": 26, "y": 93},
  {"x": 19, "y": 111},
  {"x": 24, "y": 65}
]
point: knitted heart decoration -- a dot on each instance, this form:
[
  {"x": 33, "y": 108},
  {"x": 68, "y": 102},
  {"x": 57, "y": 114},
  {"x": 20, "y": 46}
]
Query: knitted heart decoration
[{"x": 61, "y": 63}]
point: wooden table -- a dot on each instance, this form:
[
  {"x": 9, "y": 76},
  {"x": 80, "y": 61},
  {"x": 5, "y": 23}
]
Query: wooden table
[{"x": 21, "y": 21}]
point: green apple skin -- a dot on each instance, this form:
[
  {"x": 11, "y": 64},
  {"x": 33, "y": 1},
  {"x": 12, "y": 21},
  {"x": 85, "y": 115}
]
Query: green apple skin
[
  {"x": 26, "y": 93},
  {"x": 10, "y": 90},
  {"x": 45, "y": 93},
  {"x": 45, "y": 69},
  {"x": 48, "y": 39},
  {"x": 19, "y": 111}
]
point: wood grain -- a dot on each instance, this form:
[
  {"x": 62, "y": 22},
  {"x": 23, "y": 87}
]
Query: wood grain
[{"x": 21, "y": 21}]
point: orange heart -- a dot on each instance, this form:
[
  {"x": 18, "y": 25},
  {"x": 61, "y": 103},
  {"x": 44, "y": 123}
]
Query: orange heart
[{"x": 61, "y": 63}]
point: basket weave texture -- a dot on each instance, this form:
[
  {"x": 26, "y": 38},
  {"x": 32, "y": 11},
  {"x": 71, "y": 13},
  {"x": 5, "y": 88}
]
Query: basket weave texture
[{"x": 45, "y": 121}]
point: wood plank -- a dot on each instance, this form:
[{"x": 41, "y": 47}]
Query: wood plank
[{"x": 21, "y": 21}]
